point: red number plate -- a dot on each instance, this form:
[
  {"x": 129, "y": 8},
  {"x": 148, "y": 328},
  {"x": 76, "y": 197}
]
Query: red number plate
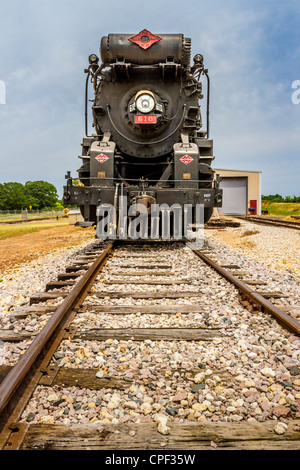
[{"x": 145, "y": 119}]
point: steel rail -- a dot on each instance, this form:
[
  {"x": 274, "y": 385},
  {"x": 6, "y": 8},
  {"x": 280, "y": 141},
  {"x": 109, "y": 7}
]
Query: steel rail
[
  {"x": 271, "y": 222},
  {"x": 13, "y": 380},
  {"x": 279, "y": 314}
]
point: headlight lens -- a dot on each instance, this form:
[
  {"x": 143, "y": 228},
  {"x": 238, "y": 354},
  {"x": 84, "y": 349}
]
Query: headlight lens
[{"x": 145, "y": 103}]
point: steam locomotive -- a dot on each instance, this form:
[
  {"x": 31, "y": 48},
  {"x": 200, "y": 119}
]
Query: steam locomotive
[{"x": 147, "y": 148}]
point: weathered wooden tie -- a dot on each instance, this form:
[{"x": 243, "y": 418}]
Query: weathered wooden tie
[
  {"x": 163, "y": 282},
  {"x": 166, "y": 294},
  {"x": 146, "y": 309},
  {"x": 142, "y": 436},
  {"x": 154, "y": 334},
  {"x": 87, "y": 378}
]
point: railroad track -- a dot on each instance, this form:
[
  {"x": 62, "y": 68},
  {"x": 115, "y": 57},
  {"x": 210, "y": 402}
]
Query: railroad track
[
  {"x": 79, "y": 367},
  {"x": 269, "y": 221}
]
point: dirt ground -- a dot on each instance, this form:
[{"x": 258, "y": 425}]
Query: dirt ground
[
  {"x": 18, "y": 250},
  {"x": 235, "y": 240}
]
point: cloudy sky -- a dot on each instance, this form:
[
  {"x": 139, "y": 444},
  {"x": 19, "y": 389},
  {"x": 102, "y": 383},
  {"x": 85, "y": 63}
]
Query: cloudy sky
[{"x": 251, "y": 48}]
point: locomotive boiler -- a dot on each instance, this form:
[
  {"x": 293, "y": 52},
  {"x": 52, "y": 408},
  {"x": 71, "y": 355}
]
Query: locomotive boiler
[{"x": 148, "y": 147}]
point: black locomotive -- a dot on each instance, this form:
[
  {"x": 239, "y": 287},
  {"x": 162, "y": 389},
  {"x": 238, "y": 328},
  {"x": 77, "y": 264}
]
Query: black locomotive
[{"x": 147, "y": 147}]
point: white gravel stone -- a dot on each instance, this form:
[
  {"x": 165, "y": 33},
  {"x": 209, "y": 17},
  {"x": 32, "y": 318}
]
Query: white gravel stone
[{"x": 280, "y": 428}]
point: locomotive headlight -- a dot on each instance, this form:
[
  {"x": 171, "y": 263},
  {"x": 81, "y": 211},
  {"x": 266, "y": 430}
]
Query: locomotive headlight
[
  {"x": 145, "y": 101},
  {"x": 93, "y": 59}
]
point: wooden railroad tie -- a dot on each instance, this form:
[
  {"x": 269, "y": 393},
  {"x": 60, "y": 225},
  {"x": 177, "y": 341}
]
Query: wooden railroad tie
[
  {"x": 87, "y": 378},
  {"x": 183, "y": 436},
  {"x": 154, "y": 334}
]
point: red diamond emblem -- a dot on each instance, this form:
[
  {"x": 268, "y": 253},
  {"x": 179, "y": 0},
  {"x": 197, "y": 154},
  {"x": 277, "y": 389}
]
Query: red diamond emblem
[
  {"x": 186, "y": 159},
  {"x": 145, "y": 39},
  {"x": 102, "y": 158}
]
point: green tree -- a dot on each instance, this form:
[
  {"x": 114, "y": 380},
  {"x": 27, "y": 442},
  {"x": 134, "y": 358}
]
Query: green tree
[
  {"x": 292, "y": 199},
  {"x": 12, "y": 196},
  {"x": 41, "y": 195},
  {"x": 273, "y": 198},
  {"x": 2, "y": 196},
  {"x": 278, "y": 198}
]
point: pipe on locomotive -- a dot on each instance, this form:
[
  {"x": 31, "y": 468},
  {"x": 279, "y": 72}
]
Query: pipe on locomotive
[
  {"x": 90, "y": 71},
  {"x": 199, "y": 67},
  {"x": 207, "y": 103},
  {"x": 86, "y": 102}
]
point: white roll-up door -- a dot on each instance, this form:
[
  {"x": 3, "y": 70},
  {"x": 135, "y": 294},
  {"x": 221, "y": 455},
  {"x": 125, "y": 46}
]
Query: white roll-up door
[{"x": 235, "y": 196}]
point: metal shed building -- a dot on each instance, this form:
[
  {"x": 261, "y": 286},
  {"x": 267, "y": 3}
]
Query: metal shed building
[{"x": 241, "y": 192}]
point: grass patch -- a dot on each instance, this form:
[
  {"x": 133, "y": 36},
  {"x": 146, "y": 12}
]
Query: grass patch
[
  {"x": 247, "y": 233},
  {"x": 9, "y": 231},
  {"x": 282, "y": 209},
  {"x": 248, "y": 244}
]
